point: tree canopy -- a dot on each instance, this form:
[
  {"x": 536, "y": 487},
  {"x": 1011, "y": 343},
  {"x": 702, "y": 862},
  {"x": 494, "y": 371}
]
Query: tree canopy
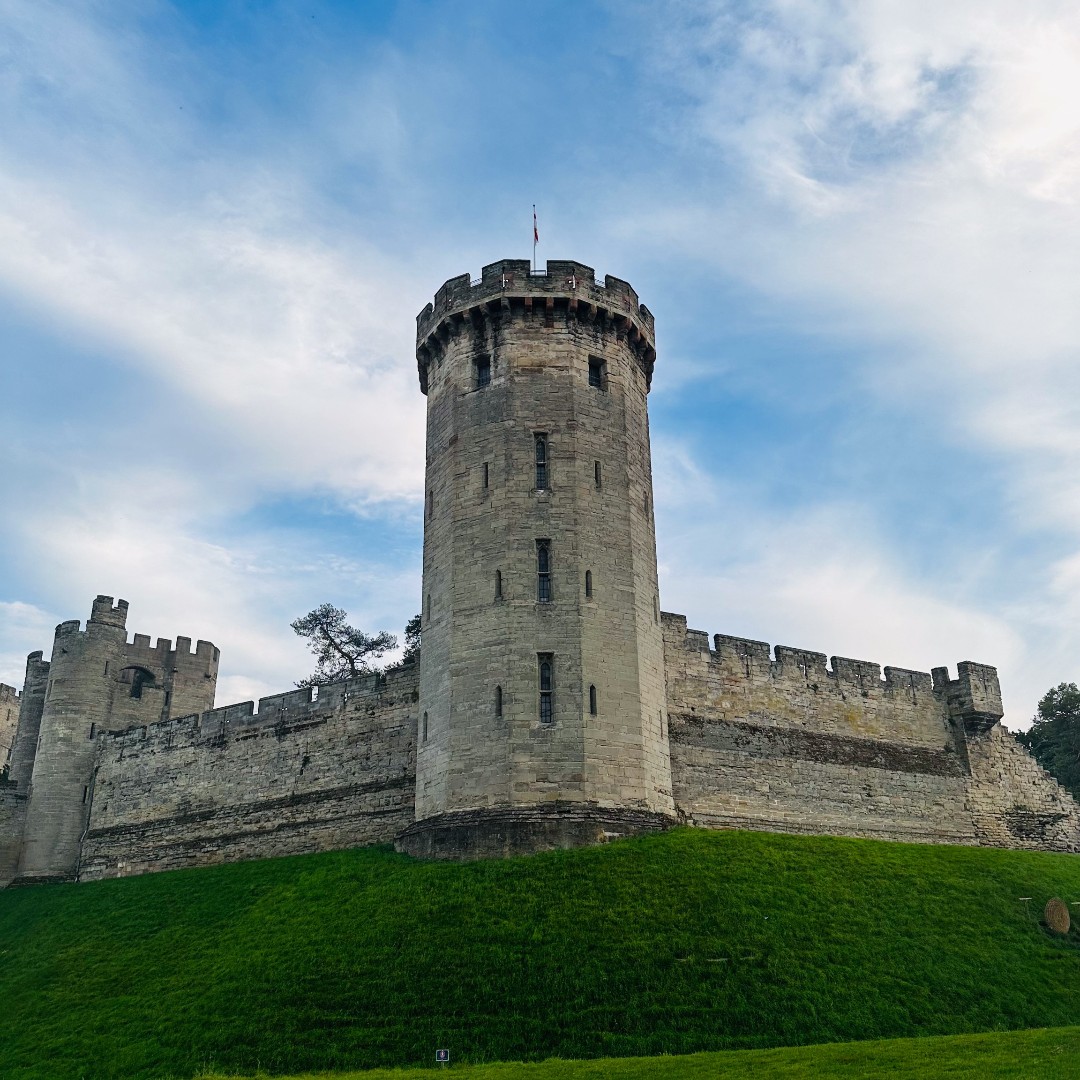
[
  {"x": 341, "y": 651},
  {"x": 1054, "y": 737}
]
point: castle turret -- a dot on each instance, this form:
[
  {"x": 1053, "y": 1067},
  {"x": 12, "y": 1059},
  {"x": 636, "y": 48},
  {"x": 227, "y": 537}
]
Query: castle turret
[
  {"x": 78, "y": 701},
  {"x": 543, "y": 716},
  {"x": 31, "y": 705}
]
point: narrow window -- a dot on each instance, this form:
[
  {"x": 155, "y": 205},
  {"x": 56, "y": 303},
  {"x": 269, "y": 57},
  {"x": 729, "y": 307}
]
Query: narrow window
[
  {"x": 547, "y": 689},
  {"x": 424, "y": 729},
  {"x": 430, "y": 504},
  {"x": 541, "y": 462},
  {"x": 592, "y": 700},
  {"x": 543, "y": 571},
  {"x": 85, "y": 793},
  {"x": 485, "y": 475},
  {"x": 596, "y": 474},
  {"x": 483, "y": 371},
  {"x": 498, "y": 584},
  {"x": 588, "y": 584},
  {"x": 498, "y": 701},
  {"x": 597, "y": 373},
  {"x": 429, "y": 607},
  {"x": 661, "y": 723},
  {"x": 106, "y": 667},
  {"x": 93, "y": 730}
]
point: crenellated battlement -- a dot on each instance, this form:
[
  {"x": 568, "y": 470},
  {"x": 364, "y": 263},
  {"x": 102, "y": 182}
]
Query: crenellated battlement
[
  {"x": 162, "y": 649},
  {"x": 105, "y": 612},
  {"x": 511, "y": 286},
  {"x": 291, "y": 707},
  {"x": 759, "y": 658}
]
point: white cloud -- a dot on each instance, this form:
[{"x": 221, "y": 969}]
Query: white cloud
[
  {"x": 20, "y": 622},
  {"x": 820, "y": 579}
]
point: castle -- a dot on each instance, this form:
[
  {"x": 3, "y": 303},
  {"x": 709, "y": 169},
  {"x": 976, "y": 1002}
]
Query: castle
[{"x": 553, "y": 702}]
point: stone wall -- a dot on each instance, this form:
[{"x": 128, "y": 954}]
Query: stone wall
[
  {"x": 304, "y": 773},
  {"x": 794, "y": 744},
  {"x": 12, "y": 822},
  {"x": 1013, "y": 801},
  {"x": 9, "y": 721}
]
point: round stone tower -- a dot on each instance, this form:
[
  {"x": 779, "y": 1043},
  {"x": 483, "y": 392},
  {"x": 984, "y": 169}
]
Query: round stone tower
[
  {"x": 543, "y": 720},
  {"x": 76, "y": 707}
]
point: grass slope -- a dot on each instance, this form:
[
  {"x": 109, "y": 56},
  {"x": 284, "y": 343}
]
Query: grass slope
[
  {"x": 1015, "y": 1055},
  {"x": 669, "y": 944}
]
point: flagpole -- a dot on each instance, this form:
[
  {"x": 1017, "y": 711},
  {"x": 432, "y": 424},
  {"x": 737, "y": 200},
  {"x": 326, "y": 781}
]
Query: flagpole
[{"x": 535, "y": 238}]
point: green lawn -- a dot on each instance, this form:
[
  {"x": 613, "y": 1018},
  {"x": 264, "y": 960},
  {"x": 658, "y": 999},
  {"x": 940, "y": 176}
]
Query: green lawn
[
  {"x": 1015, "y": 1055},
  {"x": 670, "y": 944}
]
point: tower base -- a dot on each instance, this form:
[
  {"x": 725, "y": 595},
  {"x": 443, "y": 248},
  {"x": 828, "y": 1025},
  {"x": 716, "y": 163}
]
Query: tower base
[{"x": 501, "y": 831}]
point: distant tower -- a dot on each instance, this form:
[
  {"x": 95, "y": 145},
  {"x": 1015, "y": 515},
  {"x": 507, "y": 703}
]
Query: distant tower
[
  {"x": 95, "y": 682},
  {"x": 543, "y": 720},
  {"x": 76, "y": 704}
]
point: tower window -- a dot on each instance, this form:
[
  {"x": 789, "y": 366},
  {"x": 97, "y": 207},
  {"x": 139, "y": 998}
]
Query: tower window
[
  {"x": 430, "y": 504},
  {"x": 429, "y": 607},
  {"x": 596, "y": 474},
  {"x": 597, "y": 373},
  {"x": 423, "y": 729},
  {"x": 546, "y": 663},
  {"x": 485, "y": 476},
  {"x": 592, "y": 700},
  {"x": 482, "y": 368},
  {"x": 93, "y": 730},
  {"x": 541, "y": 462},
  {"x": 498, "y": 701},
  {"x": 543, "y": 571},
  {"x": 588, "y": 584},
  {"x": 498, "y": 584}
]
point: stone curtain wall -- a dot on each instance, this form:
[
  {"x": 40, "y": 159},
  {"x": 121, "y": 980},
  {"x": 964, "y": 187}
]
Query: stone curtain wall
[
  {"x": 793, "y": 745},
  {"x": 300, "y": 775}
]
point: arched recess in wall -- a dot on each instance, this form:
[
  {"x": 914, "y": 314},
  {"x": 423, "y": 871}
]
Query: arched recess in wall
[{"x": 137, "y": 679}]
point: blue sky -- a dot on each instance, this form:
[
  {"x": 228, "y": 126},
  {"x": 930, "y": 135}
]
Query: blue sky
[{"x": 856, "y": 223}]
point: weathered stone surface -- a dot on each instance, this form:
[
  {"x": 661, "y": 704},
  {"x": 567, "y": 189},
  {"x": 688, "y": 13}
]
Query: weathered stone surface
[
  {"x": 523, "y": 830},
  {"x": 793, "y": 744},
  {"x": 485, "y": 745},
  {"x": 9, "y": 721},
  {"x": 301, "y": 775}
]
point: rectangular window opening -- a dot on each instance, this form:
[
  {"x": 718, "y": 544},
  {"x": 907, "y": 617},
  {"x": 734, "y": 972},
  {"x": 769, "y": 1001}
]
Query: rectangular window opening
[
  {"x": 543, "y": 571},
  {"x": 541, "y": 462},
  {"x": 482, "y": 368},
  {"x": 596, "y": 474},
  {"x": 486, "y": 476},
  {"x": 546, "y": 676},
  {"x": 597, "y": 373}
]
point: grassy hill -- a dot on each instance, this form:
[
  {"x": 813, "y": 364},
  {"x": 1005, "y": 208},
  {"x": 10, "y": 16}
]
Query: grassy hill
[
  {"x": 1046, "y": 1054},
  {"x": 669, "y": 944}
]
